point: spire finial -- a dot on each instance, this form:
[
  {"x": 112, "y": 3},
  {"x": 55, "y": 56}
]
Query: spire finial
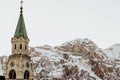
[{"x": 21, "y": 7}]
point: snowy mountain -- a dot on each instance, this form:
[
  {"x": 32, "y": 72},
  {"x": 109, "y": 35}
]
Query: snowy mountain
[
  {"x": 113, "y": 51},
  {"x": 1, "y": 70},
  {"x": 3, "y": 59},
  {"x": 79, "y": 59},
  {"x": 54, "y": 64}
]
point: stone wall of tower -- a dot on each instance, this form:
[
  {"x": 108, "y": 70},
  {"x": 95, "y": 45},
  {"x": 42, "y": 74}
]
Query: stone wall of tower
[
  {"x": 20, "y": 45},
  {"x": 19, "y": 63}
]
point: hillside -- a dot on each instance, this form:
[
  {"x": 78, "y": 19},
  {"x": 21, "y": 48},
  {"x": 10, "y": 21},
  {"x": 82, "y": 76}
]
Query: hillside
[{"x": 79, "y": 59}]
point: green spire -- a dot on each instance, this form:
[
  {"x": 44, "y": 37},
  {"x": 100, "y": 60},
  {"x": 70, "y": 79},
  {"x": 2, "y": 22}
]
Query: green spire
[{"x": 20, "y": 29}]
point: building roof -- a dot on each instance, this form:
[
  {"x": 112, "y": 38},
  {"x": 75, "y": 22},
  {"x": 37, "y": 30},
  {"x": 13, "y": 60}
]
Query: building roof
[{"x": 20, "y": 29}]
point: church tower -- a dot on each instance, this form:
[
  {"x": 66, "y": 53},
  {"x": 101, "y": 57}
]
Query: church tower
[{"x": 19, "y": 65}]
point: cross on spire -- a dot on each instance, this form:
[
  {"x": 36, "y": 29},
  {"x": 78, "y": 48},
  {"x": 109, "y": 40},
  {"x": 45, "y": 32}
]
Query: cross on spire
[{"x": 21, "y": 7}]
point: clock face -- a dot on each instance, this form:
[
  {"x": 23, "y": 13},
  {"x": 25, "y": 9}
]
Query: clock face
[
  {"x": 27, "y": 65},
  {"x": 12, "y": 64}
]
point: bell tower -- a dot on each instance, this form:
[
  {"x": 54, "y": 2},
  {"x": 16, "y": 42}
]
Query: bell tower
[
  {"x": 19, "y": 65},
  {"x": 20, "y": 40}
]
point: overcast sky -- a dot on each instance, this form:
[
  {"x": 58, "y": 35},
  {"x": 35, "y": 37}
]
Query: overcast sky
[{"x": 53, "y": 22}]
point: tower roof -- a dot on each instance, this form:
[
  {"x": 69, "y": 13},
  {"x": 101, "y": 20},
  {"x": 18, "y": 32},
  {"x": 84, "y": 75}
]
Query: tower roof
[{"x": 20, "y": 29}]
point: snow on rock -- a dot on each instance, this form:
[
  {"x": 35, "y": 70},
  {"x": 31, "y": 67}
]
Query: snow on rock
[
  {"x": 78, "y": 46},
  {"x": 55, "y": 64},
  {"x": 76, "y": 59},
  {"x": 113, "y": 51},
  {"x": 1, "y": 70},
  {"x": 3, "y": 59}
]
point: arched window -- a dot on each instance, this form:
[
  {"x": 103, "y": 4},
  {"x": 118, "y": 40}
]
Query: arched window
[
  {"x": 20, "y": 46},
  {"x": 26, "y": 75},
  {"x": 12, "y": 74},
  {"x": 15, "y": 46}
]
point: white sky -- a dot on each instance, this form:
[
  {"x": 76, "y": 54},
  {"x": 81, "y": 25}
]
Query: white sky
[{"x": 53, "y": 22}]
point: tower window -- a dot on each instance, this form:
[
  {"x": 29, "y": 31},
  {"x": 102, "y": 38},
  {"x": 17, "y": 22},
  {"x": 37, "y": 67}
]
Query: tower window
[
  {"x": 15, "y": 46},
  {"x": 25, "y": 47},
  {"x": 20, "y": 46}
]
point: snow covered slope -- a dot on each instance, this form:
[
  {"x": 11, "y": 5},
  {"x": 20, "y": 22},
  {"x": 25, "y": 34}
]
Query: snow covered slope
[
  {"x": 1, "y": 70},
  {"x": 54, "y": 64},
  {"x": 113, "y": 51},
  {"x": 78, "y": 59},
  {"x": 2, "y": 62}
]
